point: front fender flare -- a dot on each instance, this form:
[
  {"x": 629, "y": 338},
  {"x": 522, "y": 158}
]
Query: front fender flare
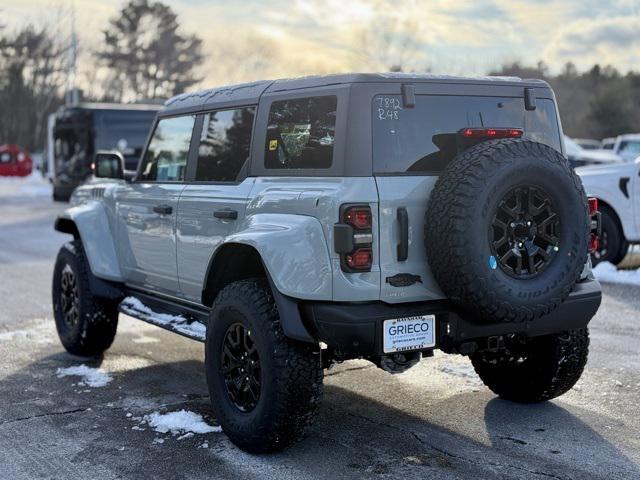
[{"x": 90, "y": 222}]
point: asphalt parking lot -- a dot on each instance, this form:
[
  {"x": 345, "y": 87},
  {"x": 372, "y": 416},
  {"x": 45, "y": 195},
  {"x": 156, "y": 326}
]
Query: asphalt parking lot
[{"x": 434, "y": 421}]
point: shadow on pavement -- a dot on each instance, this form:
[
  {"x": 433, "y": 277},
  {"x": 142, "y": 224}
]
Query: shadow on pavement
[{"x": 468, "y": 435}]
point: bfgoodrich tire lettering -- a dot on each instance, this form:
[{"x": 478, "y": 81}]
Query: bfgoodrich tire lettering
[
  {"x": 291, "y": 372},
  {"x": 459, "y": 216},
  {"x": 86, "y": 325}
]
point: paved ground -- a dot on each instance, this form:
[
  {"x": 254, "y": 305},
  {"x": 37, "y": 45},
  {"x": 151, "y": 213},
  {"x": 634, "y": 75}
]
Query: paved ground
[{"x": 435, "y": 421}]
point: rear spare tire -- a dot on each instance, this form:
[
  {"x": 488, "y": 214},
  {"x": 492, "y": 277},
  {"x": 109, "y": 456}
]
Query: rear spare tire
[{"x": 507, "y": 230}]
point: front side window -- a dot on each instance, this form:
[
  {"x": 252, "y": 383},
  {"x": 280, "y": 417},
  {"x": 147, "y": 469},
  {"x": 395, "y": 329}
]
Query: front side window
[
  {"x": 224, "y": 144},
  {"x": 425, "y": 138},
  {"x": 301, "y": 132},
  {"x": 166, "y": 156}
]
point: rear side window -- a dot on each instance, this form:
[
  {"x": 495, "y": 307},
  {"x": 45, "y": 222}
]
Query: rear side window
[
  {"x": 224, "y": 144},
  {"x": 166, "y": 156},
  {"x": 301, "y": 132},
  {"x": 425, "y": 138}
]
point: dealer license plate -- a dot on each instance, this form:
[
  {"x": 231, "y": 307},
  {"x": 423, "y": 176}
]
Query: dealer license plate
[{"x": 409, "y": 333}]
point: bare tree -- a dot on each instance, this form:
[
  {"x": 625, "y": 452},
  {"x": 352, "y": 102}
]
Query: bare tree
[
  {"x": 147, "y": 55},
  {"x": 32, "y": 75},
  {"x": 390, "y": 42},
  {"x": 244, "y": 58}
]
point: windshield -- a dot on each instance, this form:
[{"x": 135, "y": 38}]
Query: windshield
[
  {"x": 123, "y": 130},
  {"x": 425, "y": 138},
  {"x": 629, "y": 150},
  {"x": 572, "y": 148}
]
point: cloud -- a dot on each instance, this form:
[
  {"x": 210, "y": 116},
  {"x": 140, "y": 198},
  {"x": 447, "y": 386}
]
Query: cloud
[{"x": 614, "y": 40}]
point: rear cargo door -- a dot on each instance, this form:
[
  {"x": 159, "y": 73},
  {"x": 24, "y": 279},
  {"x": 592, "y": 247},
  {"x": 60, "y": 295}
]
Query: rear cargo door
[
  {"x": 405, "y": 275},
  {"x": 411, "y": 147}
]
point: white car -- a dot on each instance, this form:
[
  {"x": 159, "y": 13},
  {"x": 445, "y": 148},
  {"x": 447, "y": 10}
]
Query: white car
[
  {"x": 581, "y": 157},
  {"x": 617, "y": 188},
  {"x": 626, "y": 146}
]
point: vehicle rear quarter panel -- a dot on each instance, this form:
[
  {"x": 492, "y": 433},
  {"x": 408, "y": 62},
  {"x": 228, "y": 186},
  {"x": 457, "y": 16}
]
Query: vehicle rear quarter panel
[{"x": 290, "y": 222}]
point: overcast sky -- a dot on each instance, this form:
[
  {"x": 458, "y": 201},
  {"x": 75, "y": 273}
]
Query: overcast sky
[{"x": 299, "y": 37}]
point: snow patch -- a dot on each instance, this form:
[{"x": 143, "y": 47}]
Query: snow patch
[
  {"x": 461, "y": 370},
  {"x": 134, "y": 307},
  {"x": 608, "y": 273},
  {"x": 182, "y": 422},
  {"x": 91, "y": 377},
  {"x": 33, "y": 185}
]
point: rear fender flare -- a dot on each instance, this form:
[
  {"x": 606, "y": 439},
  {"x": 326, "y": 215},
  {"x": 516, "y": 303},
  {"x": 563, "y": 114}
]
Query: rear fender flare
[{"x": 294, "y": 251}]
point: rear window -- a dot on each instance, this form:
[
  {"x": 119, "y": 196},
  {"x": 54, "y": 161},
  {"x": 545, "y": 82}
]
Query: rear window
[
  {"x": 301, "y": 132},
  {"x": 425, "y": 138}
]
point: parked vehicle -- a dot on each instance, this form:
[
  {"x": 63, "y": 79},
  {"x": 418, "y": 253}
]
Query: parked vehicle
[
  {"x": 14, "y": 161},
  {"x": 292, "y": 224},
  {"x": 77, "y": 132},
  {"x": 617, "y": 189},
  {"x": 588, "y": 143},
  {"x": 579, "y": 157},
  {"x": 625, "y": 146},
  {"x": 608, "y": 143}
]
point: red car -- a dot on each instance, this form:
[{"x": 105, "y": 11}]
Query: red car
[{"x": 14, "y": 161}]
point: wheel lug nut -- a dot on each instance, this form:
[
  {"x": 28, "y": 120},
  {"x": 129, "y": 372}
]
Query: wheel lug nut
[
  {"x": 528, "y": 224},
  {"x": 513, "y": 224}
]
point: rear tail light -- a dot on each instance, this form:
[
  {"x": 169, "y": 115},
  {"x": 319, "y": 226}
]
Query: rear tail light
[
  {"x": 353, "y": 238},
  {"x": 359, "y": 259},
  {"x": 596, "y": 224},
  {"x": 488, "y": 133},
  {"x": 358, "y": 217}
]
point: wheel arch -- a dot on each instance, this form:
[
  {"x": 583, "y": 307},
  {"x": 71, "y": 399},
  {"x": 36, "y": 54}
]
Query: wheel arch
[
  {"x": 89, "y": 223},
  {"x": 236, "y": 261},
  {"x": 615, "y": 216}
]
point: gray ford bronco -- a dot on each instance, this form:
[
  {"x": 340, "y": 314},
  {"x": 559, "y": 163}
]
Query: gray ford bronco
[{"x": 293, "y": 224}]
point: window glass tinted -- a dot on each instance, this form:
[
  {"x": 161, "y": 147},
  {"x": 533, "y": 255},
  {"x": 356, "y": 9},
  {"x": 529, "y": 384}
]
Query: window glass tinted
[
  {"x": 425, "y": 138},
  {"x": 224, "y": 144},
  {"x": 301, "y": 132},
  {"x": 166, "y": 157}
]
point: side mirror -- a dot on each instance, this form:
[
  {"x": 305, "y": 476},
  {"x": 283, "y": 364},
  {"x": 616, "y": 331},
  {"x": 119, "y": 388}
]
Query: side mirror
[{"x": 108, "y": 164}]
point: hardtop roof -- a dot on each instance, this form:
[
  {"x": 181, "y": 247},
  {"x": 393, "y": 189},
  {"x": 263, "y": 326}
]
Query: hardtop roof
[{"x": 248, "y": 93}]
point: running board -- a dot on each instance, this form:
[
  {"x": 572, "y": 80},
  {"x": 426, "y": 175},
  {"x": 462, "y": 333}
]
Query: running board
[{"x": 186, "y": 324}]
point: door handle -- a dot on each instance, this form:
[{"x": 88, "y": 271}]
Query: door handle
[
  {"x": 226, "y": 214},
  {"x": 163, "y": 209},
  {"x": 403, "y": 246}
]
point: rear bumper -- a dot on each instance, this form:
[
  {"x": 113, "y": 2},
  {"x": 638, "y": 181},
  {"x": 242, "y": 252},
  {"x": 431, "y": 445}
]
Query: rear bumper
[{"x": 355, "y": 329}]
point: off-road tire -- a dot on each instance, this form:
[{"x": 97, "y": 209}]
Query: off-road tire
[
  {"x": 97, "y": 319},
  {"x": 291, "y": 379},
  {"x": 540, "y": 369},
  {"x": 616, "y": 245},
  {"x": 460, "y": 211}
]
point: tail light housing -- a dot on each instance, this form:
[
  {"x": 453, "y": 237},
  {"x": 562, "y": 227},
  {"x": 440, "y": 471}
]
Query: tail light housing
[
  {"x": 596, "y": 224},
  {"x": 353, "y": 238}
]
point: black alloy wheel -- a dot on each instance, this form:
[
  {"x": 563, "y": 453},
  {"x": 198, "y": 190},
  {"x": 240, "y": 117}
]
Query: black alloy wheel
[
  {"x": 69, "y": 297},
  {"x": 524, "y": 233},
  {"x": 241, "y": 367}
]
